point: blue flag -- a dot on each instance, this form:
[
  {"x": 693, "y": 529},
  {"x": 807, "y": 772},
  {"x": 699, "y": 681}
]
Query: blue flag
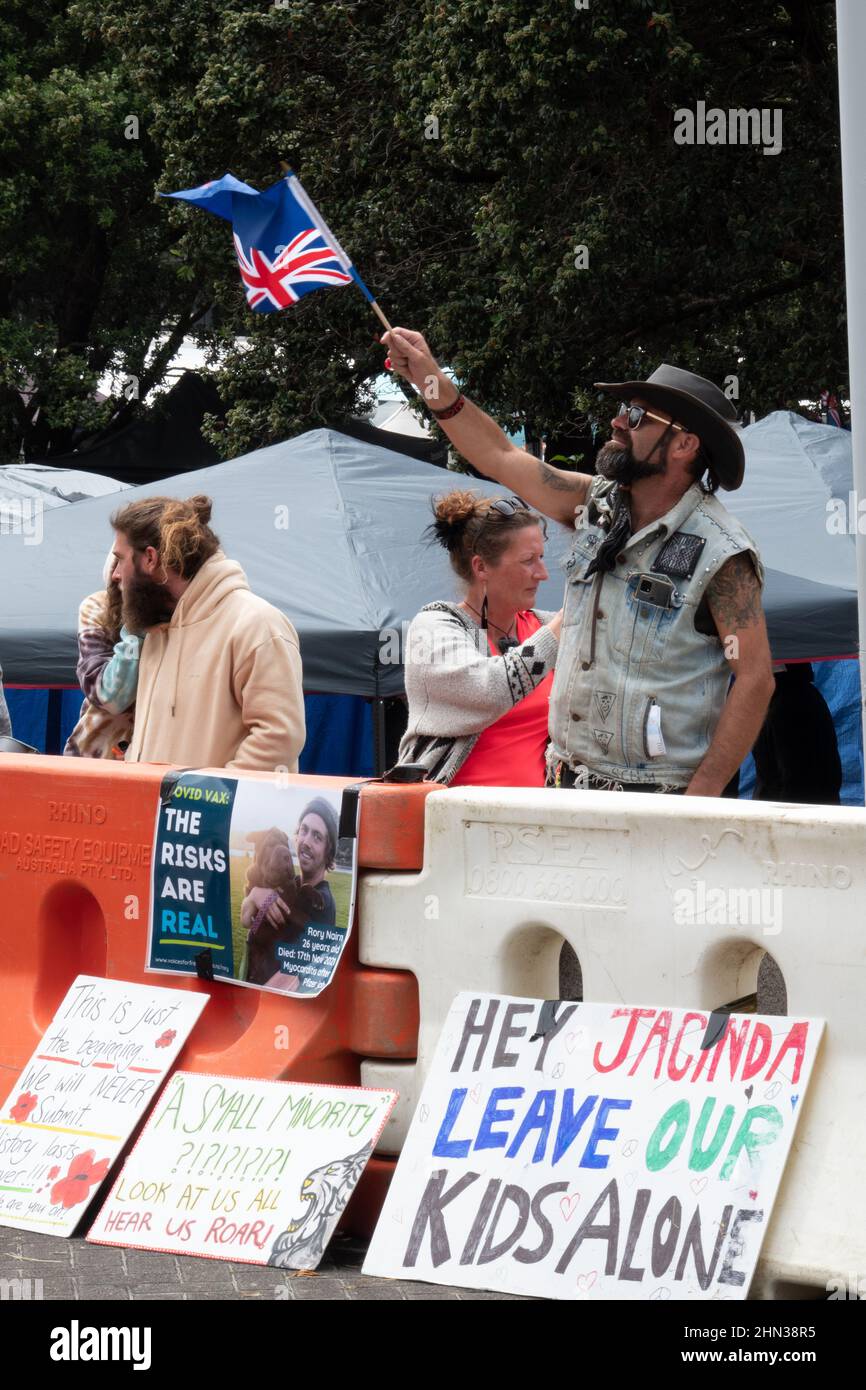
[{"x": 284, "y": 247}]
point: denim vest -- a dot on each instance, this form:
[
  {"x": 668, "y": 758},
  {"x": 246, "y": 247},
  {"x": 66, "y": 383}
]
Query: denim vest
[{"x": 619, "y": 656}]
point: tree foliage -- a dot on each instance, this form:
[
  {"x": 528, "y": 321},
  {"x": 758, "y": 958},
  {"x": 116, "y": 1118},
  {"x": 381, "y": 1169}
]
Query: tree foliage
[{"x": 462, "y": 150}]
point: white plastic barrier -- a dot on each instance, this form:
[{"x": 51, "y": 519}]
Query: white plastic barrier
[{"x": 649, "y": 891}]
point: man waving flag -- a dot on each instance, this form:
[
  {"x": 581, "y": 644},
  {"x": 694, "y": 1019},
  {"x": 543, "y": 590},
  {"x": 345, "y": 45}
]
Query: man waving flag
[{"x": 284, "y": 247}]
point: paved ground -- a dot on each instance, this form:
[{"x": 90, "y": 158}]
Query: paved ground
[{"x": 72, "y": 1269}]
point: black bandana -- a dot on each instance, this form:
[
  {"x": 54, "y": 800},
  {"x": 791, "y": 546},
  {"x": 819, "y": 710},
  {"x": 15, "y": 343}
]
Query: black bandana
[{"x": 609, "y": 510}]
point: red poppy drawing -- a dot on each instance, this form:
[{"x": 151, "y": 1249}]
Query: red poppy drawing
[
  {"x": 167, "y": 1038},
  {"x": 82, "y": 1175},
  {"x": 23, "y": 1107},
  {"x": 53, "y": 1173}
]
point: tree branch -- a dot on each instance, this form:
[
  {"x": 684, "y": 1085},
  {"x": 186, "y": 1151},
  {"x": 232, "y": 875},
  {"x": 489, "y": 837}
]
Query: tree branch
[
  {"x": 696, "y": 308},
  {"x": 154, "y": 374}
]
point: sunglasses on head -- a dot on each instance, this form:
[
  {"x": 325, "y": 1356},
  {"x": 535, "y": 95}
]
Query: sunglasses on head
[
  {"x": 635, "y": 414},
  {"x": 506, "y": 506},
  {"x": 509, "y": 506}
]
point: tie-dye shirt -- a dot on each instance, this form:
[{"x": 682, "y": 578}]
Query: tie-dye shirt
[{"x": 108, "y": 676}]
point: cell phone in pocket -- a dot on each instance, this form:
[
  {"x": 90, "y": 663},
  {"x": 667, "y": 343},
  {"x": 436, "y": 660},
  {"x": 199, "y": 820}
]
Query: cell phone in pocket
[{"x": 655, "y": 589}]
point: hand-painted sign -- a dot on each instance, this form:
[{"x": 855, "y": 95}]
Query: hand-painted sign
[
  {"x": 237, "y": 1169},
  {"x": 98, "y": 1067},
  {"x": 254, "y": 874},
  {"x": 595, "y": 1151}
]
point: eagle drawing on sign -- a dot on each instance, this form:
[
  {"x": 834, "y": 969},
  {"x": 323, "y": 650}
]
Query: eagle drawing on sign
[{"x": 326, "y": 1190}]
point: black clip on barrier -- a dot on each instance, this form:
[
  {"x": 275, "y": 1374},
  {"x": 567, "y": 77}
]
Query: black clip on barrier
[
  {"x": 402, "y": 773},
  {"x": 547, "y": 1017},
  {"x": 718, "y": 1019},
  {"x": 204, "y": 964},
  {"x": 169, "y": 782},
  {"x": 406, "y": 772}
]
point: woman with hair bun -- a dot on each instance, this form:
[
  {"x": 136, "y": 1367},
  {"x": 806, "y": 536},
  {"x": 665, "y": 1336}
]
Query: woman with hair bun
[
  {"x": 220, "y": 672},
  {"x": 478, "y": 672}
]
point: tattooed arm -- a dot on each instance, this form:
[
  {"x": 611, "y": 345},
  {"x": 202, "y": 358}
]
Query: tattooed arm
[
  {"x": 553, "y": 491},
  {"x": 734, "y": 599}
]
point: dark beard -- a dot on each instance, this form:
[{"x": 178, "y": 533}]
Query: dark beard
[
  {"x": 146, "y": 604},
  {"x": 317, "y": 875},
  {"x": 618, "y": 463}
]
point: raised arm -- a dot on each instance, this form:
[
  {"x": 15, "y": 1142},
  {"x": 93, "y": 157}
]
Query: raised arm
[{"x": 553, "y": 491}]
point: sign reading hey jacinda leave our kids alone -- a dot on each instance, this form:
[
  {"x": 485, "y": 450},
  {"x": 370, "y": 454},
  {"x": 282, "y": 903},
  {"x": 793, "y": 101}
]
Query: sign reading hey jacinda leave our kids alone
[{"x": 595, "y": 1151}]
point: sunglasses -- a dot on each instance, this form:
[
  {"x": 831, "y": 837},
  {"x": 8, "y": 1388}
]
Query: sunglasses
[
  {"x": 506, "y": 506},
  {"x": 635, "y": 414}
]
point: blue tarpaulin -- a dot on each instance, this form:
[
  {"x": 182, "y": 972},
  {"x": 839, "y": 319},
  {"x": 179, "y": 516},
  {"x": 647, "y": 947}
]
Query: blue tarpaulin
[
  {"x": 339, "y": 728},
  {"x": 839, "y": 683}
]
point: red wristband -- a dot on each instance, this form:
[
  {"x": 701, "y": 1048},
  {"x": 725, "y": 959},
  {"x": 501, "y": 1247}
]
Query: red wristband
[{"x": 451, "y": 411}]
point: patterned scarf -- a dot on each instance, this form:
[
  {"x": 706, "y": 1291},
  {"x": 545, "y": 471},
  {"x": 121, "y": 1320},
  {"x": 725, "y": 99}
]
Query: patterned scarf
[{"x": 609, "y": 510}]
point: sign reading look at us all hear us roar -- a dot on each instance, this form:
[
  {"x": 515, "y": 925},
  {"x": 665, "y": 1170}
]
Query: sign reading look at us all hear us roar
[
  {"x": 595, "y": 1151},
  {"x": 98, "y": 1067},
  {"x": 240, "y": 1169}
]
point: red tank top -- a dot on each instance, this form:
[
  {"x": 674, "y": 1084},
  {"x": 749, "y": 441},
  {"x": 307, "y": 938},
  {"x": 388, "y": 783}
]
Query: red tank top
[{"x": 510, "y": 753}]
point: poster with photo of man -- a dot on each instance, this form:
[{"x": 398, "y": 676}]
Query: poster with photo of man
[{"x": 251, "y": 881}]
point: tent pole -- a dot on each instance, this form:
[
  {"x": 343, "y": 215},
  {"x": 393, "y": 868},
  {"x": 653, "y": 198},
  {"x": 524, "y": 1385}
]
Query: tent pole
[
  {"x": 851, "y": 47},
  {"x": 379, "y": 766},
  {"x": 54, "y": 720},
  {"x": 380, "y": 753}
]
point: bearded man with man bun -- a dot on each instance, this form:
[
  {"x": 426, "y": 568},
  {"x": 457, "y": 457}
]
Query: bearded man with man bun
[{"x": 219, "y": 680}]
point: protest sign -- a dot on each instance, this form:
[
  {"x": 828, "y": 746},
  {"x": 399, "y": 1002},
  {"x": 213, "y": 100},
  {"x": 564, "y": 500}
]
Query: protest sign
[
  {"x": 595, "y": 1151},
  {"x": 238, "y": 1169},
  {"x": 254, "y": 874},
  {"x": 98, "y": 1067}
]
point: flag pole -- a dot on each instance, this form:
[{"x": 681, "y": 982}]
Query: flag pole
[
  {"x": 851, "y": 25},
  {"x": 318, "y": 221},
  {"x": 376, "y": 310},
  {"x": 325, "y": 231}
]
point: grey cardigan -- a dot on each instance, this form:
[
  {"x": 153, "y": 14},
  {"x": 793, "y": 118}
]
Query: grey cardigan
[{"x": 456, "y": 689}]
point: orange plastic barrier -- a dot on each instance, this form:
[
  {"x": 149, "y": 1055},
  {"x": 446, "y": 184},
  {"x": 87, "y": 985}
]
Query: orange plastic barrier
[{"x": 76, "y": 837}]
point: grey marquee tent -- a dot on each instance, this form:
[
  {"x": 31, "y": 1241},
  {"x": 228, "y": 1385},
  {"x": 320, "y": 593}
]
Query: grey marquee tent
[{"x": 328, "y": 528}]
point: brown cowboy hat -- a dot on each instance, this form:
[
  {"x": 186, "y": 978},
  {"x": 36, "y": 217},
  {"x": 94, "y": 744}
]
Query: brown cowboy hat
[{"x": 700, "y": 406}]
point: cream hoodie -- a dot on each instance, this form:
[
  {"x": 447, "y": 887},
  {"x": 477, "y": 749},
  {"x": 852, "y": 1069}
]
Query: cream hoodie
[{"x": 220, "y": 684}]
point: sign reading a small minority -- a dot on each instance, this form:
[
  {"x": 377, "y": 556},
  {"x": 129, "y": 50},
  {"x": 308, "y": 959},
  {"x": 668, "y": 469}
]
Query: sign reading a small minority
[
  {"x": 240, "y": 1169},
  {"x": 595, "y": 1151},
  {"x": 98, "y": 1067}
]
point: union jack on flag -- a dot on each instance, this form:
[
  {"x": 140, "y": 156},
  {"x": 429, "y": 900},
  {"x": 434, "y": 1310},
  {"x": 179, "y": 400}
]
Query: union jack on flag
[
  {"x": 300, "y": 267},
  {"x": 284, "y": 247},
  {"x": 830, "y": 409}
]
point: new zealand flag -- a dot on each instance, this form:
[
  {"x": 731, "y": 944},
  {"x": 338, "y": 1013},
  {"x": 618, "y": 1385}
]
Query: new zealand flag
[{"x": 284, "y": 247}]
